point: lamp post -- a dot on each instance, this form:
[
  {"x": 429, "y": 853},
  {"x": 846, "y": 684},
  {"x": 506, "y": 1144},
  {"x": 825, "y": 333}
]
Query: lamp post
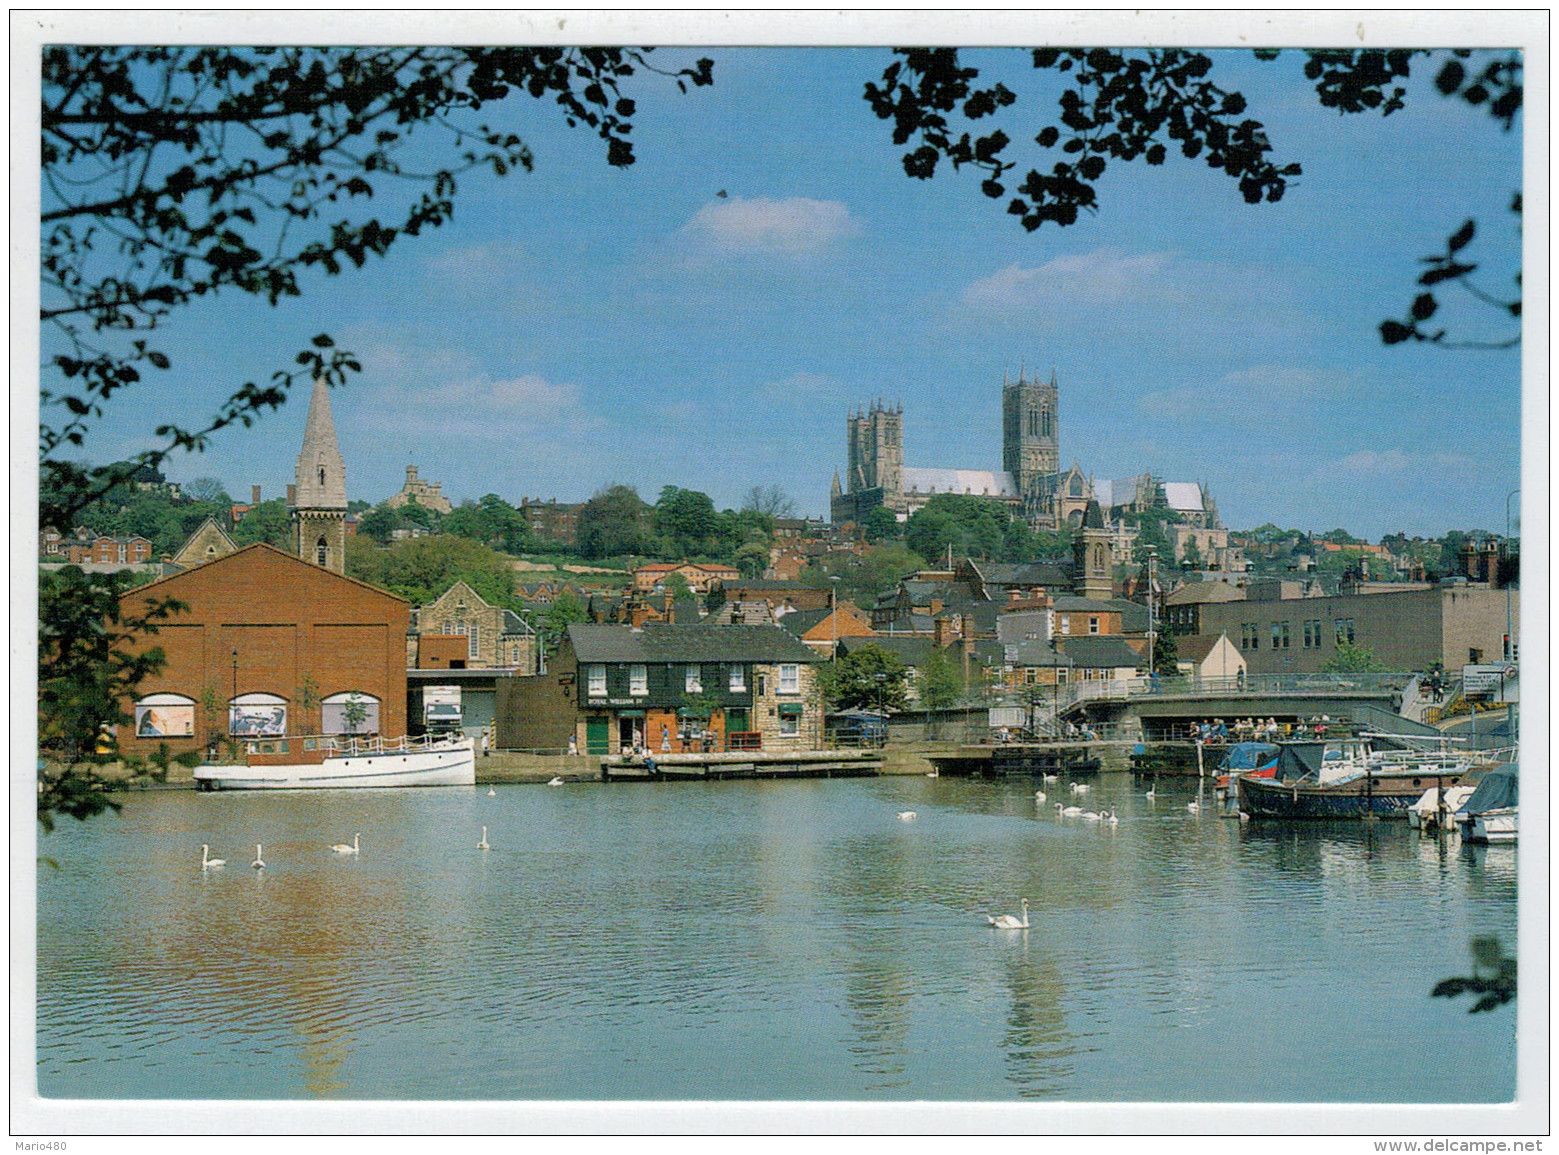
[
  {"x": 833, "y": 616},
  {"x": 235, "y": 691}
]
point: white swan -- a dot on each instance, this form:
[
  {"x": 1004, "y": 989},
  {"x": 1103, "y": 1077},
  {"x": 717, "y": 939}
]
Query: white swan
[
  {"x": 1010, "y": 922},
  {"x": 906, "y": 816},
  {"x": 343, "y": 848},
  {"x": 1193, "y": 807},
  {"x": 482, "y": 845},
  {"x": 1109, "y": 816},
  {"x": 259, "y": 861},
  {"x": 491, "y": 792},
  {"x": 1068, "y": 811},
  {"x": 1039, "y": 796},
  {"x": 558, "y": 781},
  {"x": 1090, "y": 816},
  {"x": 931, "y": 773},
  {"x": 1079, "y": 787},
  {"x": 1051, "y": 777},
  {"x": 206, "y": 861},
  {"x": 1150, "y": 795}
]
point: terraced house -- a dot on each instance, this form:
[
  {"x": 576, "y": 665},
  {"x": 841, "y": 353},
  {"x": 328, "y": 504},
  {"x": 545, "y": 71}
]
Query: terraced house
[{"x": 668, "y": 689}]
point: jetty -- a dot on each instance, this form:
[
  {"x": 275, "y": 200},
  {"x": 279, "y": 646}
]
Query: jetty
[
  {"x": 996, "y": 760},
  {"x": 743, "y": 764}
]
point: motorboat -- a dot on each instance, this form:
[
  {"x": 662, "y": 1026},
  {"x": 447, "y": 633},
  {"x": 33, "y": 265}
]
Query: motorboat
[
  {"x": 1347, "y": 778},
  {"x": 1490, "y": 814},
  {"x": 333, "y": 762}
]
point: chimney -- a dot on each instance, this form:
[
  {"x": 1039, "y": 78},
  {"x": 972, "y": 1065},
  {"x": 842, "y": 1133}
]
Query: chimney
[
  {"x": 936, "y": 605},
  {"x": 671, "y": 613},
  {"x": 254, "y": 495},
  {"x": 942, "y": 633},
  {"x": 1014, "y": 595},
  {"x": 968, "y": 643},
  {"x": 638, "y": 615}
]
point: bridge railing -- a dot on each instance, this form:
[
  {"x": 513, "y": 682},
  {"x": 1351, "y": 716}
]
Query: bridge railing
[{"x": 1255, "y": 685}]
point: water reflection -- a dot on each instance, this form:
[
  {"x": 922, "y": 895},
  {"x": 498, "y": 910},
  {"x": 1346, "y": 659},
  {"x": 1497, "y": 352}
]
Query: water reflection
[{"x": 758, "y": 940}]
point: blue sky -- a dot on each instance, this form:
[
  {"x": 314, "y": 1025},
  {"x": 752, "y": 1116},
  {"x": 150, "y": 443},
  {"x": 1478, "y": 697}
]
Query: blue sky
[{"x": 582, "y": 325}]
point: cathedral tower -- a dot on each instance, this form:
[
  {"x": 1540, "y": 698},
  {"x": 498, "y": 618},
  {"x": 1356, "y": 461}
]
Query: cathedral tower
[
  {"x": 1031, "y": 439},
  {"x": 877, "y": 451},
  {"x": 318, "y": 498}
]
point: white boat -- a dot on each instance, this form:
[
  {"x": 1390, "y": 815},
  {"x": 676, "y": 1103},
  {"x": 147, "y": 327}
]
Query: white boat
[
  {"x": 333, "y": 763},
  {"x": 1490, "y": 814}
]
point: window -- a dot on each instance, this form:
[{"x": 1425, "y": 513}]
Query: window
[
  {"x": 638, "y": 680},
  {"x": 1344, "y": 631},
  {"x": 474, "y": 640},
  {"x": 695, "y": 680},
  {"x": 321, "y": 552},
  {"x": 352, "y": 712},
  {"x": 1093, "y": 624},
  {"x": 1312, "y": 635},
  {"x": 596, "y": 673},
  {"x": 1066, "y": 623},
  {"x": 1250, "y": 636},
  {"x": 165, "y": 716},
  {"x": 257, "y": 716},
  {"x": 789, "y": 678},
  {"x": 1280, "y": 635},
  {"x": 738, "y": 682},
  {"x": 789, "y": 725},
  {"x": 763, "y": 684}
]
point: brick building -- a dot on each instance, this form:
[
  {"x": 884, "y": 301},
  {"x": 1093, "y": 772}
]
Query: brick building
[
  {"x": 701, "y": 577},
  {"x": 269, "y": 646}
]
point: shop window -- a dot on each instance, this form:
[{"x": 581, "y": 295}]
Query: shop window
[{"x": 638, "y": 680}]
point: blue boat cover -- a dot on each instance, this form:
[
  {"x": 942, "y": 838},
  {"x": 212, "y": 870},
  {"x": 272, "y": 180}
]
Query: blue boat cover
[
  {"x": 1497, "y": 790},
  {"x": 1244, "y": 756}
]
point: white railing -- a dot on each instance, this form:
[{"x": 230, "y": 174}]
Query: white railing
[{"x": 339, "y": 746}]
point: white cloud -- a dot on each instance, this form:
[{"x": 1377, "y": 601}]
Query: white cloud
[
  {"x": 795, "y": 227},
  {"x": 800, "y": 383},
  {"x": 1104, "y": 277},
  {"x": 1370, "y": 463}
]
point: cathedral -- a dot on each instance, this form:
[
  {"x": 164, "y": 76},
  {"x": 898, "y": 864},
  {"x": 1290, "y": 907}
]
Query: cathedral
[{"x": 1030, "y": 482}]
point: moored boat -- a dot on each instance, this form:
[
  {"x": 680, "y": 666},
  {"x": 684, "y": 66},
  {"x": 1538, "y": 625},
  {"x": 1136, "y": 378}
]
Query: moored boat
[
  {"x": 310, "y": 763},
  {"x": 1490, "y": 815},
  {"x": 1345, "y": 779}
]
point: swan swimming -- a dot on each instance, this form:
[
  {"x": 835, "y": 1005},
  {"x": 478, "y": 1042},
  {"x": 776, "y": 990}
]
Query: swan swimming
[
  {"x": 1109, "y": 816},
  {"x": 343, "y": 848},
  {"x": 482, "y": 845},
  {"x": 205, "y": 859},
  {"x": 1079, "y": 787},
  {"x": 931, "y": 773},
  {"x": 1039, "y": 796},
  {"x": 1068, "y": 811},
  {"x": 1050, "y": 777},
  {"x": 1193, "y": 807},
  {"x": 1090, "y": 816},
  {"x": 906, "y": 816},
  {"x": 558, "y": 781},
  {"x": 259, "y": 861},
  {"x": 491, "y": 792},
  {"x": 1150, "y": 794},
  {"x": 1010, "y": 922}
]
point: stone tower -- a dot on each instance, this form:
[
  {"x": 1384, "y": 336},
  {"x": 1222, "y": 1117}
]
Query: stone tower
[
  {"x": 1031, "y": 439},
  {"x": 1092, "y": 576},
  {"x": 319, "y": 496},
  {"x": 877, "y": 451}
]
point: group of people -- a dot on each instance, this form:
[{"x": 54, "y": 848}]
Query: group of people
[{"x": 1258, "y": 730}]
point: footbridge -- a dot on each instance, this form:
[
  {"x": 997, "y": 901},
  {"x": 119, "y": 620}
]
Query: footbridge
[{"x": 1159, "y": 709}]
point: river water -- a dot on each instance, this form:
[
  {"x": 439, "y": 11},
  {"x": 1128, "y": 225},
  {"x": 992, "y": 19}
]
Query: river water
[{"x": 761, "y": 941}]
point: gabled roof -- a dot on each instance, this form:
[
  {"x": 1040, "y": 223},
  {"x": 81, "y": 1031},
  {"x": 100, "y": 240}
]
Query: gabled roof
[
  {"x": 514, "y": 624},
  {"x": 686, "y": 643},
  {"x": 247, "y": 553},
  {"x": 1196, "y": 647}
]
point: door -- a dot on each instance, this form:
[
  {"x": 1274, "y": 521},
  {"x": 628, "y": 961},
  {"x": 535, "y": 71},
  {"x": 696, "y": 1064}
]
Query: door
[
  {"x": 598, "y": 736},
  {"x": 735, "y": 722}
]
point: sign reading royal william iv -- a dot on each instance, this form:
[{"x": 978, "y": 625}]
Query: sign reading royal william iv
[{"x": 1487, "y": 678}]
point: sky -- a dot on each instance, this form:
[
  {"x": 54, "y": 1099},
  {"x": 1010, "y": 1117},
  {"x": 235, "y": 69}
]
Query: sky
[{"x": 581, "y": 325}]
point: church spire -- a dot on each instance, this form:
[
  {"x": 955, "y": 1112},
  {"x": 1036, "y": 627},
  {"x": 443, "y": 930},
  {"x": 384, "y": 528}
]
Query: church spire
[{"x": 319, "y": 495}]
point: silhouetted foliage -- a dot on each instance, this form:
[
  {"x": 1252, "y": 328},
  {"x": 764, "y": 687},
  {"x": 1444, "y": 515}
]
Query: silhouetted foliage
[{"x": 1493, "y": 978}]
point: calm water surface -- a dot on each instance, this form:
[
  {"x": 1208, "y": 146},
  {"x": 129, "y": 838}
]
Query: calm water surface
[{"x": 760, "y": 941}]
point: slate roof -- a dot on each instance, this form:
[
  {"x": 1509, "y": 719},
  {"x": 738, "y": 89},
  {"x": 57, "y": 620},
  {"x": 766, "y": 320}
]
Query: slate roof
[
  {"x": 1200, "y": 593},
  {"x": 1033, "y": 573},
  {"x": 1196, "y": 647},
  {"x": 1101, "y": 653},
  {"x": 701, "y": 642},
  {"x": 1134, "y": 615},
  {"x": 514, "y": 624},
  {"x": 1033, "y": 652}
]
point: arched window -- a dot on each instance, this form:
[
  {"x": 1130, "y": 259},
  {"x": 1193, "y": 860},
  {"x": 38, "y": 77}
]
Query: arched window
[
  {"x": 1044, "y": 423},
  {"x": 1077, "y": 486},
  {"x": 322, "y": 476},
  {"x": 351, "y": 712},
  {"x": 322, "y": 552},
  {"x": 165, "y": 716},
  {"x": 257, "y": 716}
]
